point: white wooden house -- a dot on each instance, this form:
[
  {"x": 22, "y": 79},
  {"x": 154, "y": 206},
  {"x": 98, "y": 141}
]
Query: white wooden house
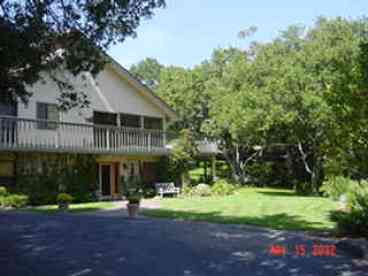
[{"x": 123, "y": 128}]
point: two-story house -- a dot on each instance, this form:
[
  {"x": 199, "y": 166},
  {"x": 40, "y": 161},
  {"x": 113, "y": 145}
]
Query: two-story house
[{"x": 123, "y": 130}]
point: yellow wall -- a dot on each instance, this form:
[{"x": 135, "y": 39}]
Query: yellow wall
[
  {"x": 7, "y": 165},
  {"x": 117, "y": 158}
]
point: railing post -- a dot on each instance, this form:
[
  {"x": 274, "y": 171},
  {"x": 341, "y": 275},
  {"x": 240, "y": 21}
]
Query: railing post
[
  {"x": 107, "y": 138},
  {"x": 57, "y": 138},
  {"x": 149, "y": 141}
]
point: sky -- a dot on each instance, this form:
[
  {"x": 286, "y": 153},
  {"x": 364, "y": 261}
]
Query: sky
[{"x": 187, "y": 31}]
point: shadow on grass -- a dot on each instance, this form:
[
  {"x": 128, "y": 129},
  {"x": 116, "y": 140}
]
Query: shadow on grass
[
  {"x": 278, "y": 193},
  {"x": 281, "y": 221}
]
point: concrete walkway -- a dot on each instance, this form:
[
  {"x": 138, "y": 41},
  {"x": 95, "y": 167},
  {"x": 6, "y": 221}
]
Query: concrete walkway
[{"x": 75, "y": 245}]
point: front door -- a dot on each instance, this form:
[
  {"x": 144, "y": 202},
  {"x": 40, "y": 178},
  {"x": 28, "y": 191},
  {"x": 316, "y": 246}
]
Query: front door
[{"x": 106, "y": 178}]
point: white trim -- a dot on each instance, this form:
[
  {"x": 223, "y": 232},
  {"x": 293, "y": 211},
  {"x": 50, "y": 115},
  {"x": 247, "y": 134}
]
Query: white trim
[{"x": 99, "y": 93}]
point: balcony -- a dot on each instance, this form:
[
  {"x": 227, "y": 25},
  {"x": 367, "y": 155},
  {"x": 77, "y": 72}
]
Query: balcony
[{"x": 20, "y": 134}]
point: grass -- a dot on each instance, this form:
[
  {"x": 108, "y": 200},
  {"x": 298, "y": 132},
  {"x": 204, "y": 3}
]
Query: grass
[
  {"x": 74, "y": 208},
  {"x": 273, "y": 208}
]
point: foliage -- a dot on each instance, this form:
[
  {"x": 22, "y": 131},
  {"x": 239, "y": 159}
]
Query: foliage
[
  {"x": 305, "y": 90},
  {"x": 51, "y": 174},
  {"x": 3, "y": 191},
  {"x": 183, "y": 153},
  {"x": 202, "y": 190},
  {"x": 133, "y": 187},
  {"x": 14, "y": 200},
  {"x": 355, "y": 221},
  {"x": 149, "y": 192},
  {"x": 134, "y": 190},
  {"x": 148, "y": 71},
  {"x": 184, "y": 90},
  {"x": 335, "y": 186},
  {"x": 33, "y": 31},
  {"x": 64, "y": 198},
  {"x": 134, "y": 198},
  {"x": 187, "y": 190},
  {"x": 260, "y": 173},
  {"x": 222, "y": 188}
]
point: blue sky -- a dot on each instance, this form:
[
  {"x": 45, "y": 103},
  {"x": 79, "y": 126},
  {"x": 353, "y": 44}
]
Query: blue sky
[{"x": 186, "y": 31}]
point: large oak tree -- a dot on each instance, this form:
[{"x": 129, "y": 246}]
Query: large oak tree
[{"x": 34, "y": 31}]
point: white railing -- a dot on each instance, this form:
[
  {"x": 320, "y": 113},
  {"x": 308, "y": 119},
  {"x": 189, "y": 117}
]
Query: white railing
[{"x": 28, "y": 134}]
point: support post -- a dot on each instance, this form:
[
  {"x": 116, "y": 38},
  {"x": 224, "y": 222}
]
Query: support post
[{"x": 213, "y": 165}]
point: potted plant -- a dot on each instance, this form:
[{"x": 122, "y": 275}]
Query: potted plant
[
  {"x": 63, "y": 201},
  {"x": 133, "y": 205}
]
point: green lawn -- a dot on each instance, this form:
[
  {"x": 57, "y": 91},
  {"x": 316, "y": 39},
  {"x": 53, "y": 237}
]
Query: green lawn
[
  {"x": 274, "y": 208},
  {"x": 74, "y": 208}
]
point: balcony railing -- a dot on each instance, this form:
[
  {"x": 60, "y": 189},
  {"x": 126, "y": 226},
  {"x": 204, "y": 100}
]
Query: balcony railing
[{"x": 39, "y": 135}]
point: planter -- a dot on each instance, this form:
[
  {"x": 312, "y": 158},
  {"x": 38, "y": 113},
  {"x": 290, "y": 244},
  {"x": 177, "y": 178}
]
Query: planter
[
  {"x": 133, "y": 209},
  {"x": 63, "y": 206}
]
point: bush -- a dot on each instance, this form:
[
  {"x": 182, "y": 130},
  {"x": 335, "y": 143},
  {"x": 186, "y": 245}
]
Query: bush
[
  {"x": 64, "y": 198},
  {"x": 187, "y": 190},
  {"x": 223, "y": 188},
  {"x": 355, "y": 222},
  {"x": 336, "y": 186},
  {"x": 3, "y": 191},
  {"x": 260, "y": 173},
  {"x": 303, "y": 188},
  {"x": 201, "y": 190},
  {"x": 134, "y": 199},
  {"x": 14, "y": 200},
  {"x": 149, "y": 192}
]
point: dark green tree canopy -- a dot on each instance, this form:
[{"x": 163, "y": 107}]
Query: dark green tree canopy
[{"x": 33, "y": 31}]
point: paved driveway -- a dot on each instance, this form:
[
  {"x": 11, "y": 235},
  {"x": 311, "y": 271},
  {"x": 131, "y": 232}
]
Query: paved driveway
[{"x": 36, "y": 244}]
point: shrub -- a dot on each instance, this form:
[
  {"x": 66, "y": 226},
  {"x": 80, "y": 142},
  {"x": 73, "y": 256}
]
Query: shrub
[
  {"x": 73, "y": 173},
  {"x": 14, "y": 200},
  {"x": 64, "y": 198},
  {"x": 149, "y": 192},
  {"x": 354, "y": 222},
  {"x": 202, "y": 190},
  {"x": 3, "y": 191},
  {"x": 223, "y": 188},
  {"x": 260, "y": 173},
  {"x": 336, "y": 186},
  {"x": 134, "y": 199},
  {"x": 187, "y": 190}
]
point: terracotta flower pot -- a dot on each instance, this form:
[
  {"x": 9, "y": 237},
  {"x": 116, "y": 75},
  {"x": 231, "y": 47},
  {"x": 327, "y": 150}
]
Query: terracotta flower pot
[{"x": 133, "y": 210}]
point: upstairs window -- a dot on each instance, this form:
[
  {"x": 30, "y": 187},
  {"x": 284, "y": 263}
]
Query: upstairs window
[
  {"x": 48, "y": 112},
  {"x": 129, "y": 120},
  {"x": 153, "y": 123},
  {"x": 104, "y": 118}
]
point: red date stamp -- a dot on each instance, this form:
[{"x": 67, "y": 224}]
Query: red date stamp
[{"x": 316, "y": 250}]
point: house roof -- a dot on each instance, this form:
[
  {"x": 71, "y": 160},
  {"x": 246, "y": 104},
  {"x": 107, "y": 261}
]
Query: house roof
[{"x": 142, "y": 88}]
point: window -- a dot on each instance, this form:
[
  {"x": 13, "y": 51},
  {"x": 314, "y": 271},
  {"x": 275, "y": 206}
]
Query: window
[
  {"x": 128, "y": 120},
  {"x": 102, "y": 118},
  {"x": 49, "y": 112},
  {"x": 152, "y": 123}
]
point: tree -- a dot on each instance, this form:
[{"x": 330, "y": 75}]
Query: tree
[
  {"x": 296, "y": 90},
  {"x": 148, "y": 71},
  {"x": 183, "y": 89},
  {"x": 39, "y": 36},
  {"x": 183, "y": 154}
]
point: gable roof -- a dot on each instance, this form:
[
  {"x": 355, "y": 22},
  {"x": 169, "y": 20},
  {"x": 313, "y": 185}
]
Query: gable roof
[{"x": 143, "y": 89}]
